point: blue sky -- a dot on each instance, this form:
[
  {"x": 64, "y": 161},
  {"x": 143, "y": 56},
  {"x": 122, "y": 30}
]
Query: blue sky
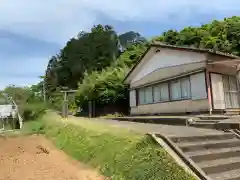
[{"x": 31, "y": 31}]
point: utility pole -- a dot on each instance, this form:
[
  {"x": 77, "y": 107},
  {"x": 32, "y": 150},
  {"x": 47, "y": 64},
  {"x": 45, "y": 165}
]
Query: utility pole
[
  {"x": 43, "y": 88},
  {"x": 44, "y": 91}
]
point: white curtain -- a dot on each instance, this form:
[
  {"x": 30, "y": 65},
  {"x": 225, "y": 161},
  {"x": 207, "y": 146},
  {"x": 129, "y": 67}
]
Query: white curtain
[
  {"x": 231, "y": 91},
  {"x": 141, "y": 96},
  {"x": 175, "y": 90},
  {"x": 185, "y": 88},
  {"x": 149, "y": 95},
  {"x": 157, "y": 93},
  {"x": 164, "y": 92}
]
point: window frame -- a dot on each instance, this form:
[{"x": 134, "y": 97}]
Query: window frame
[
  {"x": 189, "y": 83},
  {"x": 168, "y": 84},
  {"x": 160, "y": 86},
  {"x": 170, "y": 89}
]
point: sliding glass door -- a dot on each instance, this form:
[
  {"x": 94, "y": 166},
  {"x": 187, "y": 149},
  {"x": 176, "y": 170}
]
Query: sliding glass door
[{"x": 231, "y": 92}]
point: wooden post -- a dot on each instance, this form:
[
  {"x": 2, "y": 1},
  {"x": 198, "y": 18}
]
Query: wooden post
[
  {"x": 209, "y": 94},
  {"x": 65, "y": 102},
  {"x": 238, "y": 81},
  {"x": 93, "y": 108},
  {"x": 65, "y": 109},
  {"x": 90, "y": 109}
]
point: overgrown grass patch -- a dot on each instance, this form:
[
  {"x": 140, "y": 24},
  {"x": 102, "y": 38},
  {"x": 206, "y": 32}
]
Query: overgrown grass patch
[{"x": 116, "y": 152}]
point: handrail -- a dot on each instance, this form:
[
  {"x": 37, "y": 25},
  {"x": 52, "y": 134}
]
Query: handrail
[{"x": 20, "y": 119}]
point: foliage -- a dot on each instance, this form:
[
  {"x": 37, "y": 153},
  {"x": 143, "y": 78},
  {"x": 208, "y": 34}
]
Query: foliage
[
  {"x": 22, "y": 95},
  {"x": 88, "y": 53},
  {"x": 112, "y": 115},
  {"x": 29, "y": 102},
  {"x": 219, "y": 35},
  {"x": 116, "y": 152},
  {"x": 32, "y": 111},
  {"x": 130, "y": 38},
  {"x": 107, "y": 85}
]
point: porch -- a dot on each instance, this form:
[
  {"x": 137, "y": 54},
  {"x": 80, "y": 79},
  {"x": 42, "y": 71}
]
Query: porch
[{"x": 222, "y": 81}]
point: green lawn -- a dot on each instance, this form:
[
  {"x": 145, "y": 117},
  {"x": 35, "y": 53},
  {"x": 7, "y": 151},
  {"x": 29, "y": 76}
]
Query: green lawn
[{"x": 115, "y": 152}]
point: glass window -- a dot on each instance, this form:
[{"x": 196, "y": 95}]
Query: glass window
[
  {"x": 179, "y": 89},
  {"x": 185, "y": 88},
  {"x": 175, "y": 90},
  {"x": 164, "y": 92},
  {"x": 231, "y": 91},
  {"x": 233, "y": 83},
  {"x": 149, "y": 95},
  {"x": 157, "y": 93},
  {"x": 141, "y": 95}
]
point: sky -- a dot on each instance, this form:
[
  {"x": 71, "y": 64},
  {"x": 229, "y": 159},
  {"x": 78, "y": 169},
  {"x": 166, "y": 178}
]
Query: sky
[{"x": 31, "y": 31}]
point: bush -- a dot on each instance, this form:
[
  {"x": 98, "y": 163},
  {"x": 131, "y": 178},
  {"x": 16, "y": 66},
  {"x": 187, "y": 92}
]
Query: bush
[
  {"x": 113, "y": 115},
  {"x": 32, "y": 111}
]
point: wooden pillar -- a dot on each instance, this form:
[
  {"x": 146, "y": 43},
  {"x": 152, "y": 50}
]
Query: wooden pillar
[
  {"x": 93, "y": 108},
  {"x": 238, "y": 82},
  {"x": 90, "y": 109},
  {"x": 238, "y": 74},
  {"x": 65, "y": 109},
  {"x": 209, "y": 94}
]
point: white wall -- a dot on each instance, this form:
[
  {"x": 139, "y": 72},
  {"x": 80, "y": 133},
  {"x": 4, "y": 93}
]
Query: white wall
[
  {"x": 198, "y": 86},
  {"x": 132, "y": 98},
  {"x": 172, "y": 107},
  {"x": 5, "y": 110},
  {"x": 168, "y": 58}
]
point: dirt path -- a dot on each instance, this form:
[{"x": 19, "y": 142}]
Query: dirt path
[{"x": 35, "y": 158}]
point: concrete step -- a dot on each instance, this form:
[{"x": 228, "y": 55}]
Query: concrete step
[
  {"x": 212, "y": 117},
  {"x": 227, "y": 125},
  {"x": 214, "y": 144},
  {"x": 236, "y": 178},
  {"x": 220, "y": 165},
  {"x": 208, "y": 125},
  {"x": 227, "y": 175},
  {"x": 212, "y": 154},
  {"x": 206, "y": 122},
  {"x": 223, "y": 136}
]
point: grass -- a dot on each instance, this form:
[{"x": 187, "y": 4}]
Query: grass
[{"x": 115, "y": 152}]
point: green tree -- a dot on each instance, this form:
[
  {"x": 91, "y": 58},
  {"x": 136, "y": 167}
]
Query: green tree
[
  {"x": 107, "y": 86},
  {"x": 218, "y": 35}
]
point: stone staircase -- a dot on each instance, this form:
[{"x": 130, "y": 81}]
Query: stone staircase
[
  {"x": 216, "y": 155},
  {"x": 208, "y": 121}
]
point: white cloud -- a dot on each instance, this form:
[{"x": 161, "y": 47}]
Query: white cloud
[
  {"x": 52, "y": 20},
  {"x": 22, "y": 72},
  {"x": 57, "y": 20}
]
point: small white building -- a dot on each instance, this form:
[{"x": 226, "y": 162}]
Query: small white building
[{"x": 170, "y": 79}]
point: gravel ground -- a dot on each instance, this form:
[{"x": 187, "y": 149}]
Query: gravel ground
[{"x": 35, "y": 158}]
